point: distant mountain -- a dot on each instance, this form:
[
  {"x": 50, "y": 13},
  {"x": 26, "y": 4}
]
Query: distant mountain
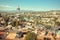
[
  {"x": 16, "y": 11},
  {"x": 28, "y": 11},
  {"x": 54, "y": 11}
]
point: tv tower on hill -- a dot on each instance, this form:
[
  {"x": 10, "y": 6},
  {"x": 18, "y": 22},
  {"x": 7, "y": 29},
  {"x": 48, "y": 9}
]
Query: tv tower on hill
[{"x": 18, "y": 8}]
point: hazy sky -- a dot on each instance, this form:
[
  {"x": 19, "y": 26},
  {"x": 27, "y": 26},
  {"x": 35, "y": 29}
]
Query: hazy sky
[{"x": 36, "y": 5}]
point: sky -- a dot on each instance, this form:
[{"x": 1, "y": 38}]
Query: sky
[{"x": 35, "y": 5}]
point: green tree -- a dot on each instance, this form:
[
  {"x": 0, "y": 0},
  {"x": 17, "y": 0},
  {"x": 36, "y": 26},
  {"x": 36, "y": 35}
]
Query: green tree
[{"x": 31, "y": 36}]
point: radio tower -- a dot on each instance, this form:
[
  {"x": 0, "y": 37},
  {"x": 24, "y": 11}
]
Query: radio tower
[{"x": 18, "y": 8}]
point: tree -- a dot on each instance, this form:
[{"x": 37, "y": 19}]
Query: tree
[
  {"x": 31, "y": 36},
  {"x": 58, "y": 23}
]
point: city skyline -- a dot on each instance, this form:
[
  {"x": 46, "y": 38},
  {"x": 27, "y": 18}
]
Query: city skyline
[{"x": 35, "y": 5}]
